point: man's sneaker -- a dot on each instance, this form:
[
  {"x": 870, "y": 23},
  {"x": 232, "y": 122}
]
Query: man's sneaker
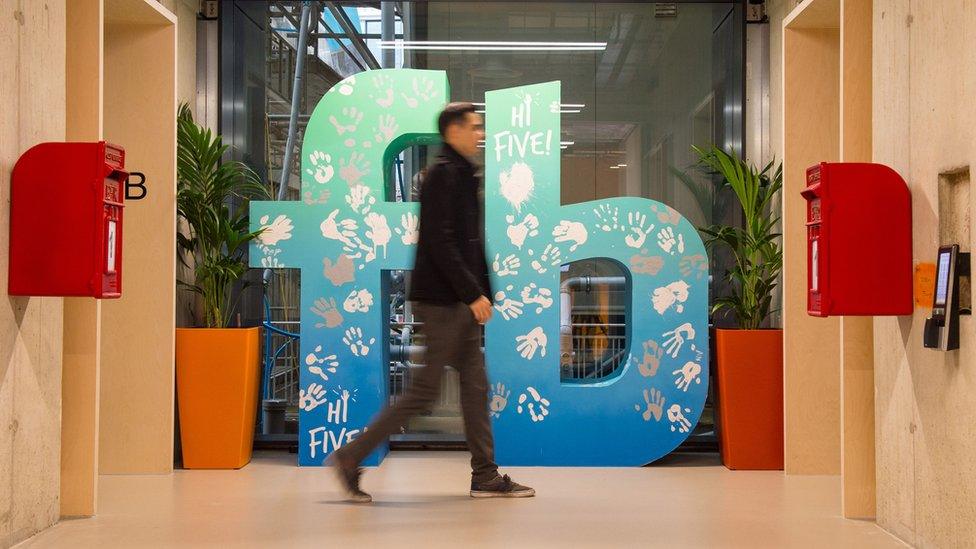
[
  {"x": 500, "y": 487},
  {"x": 349, "y": 478}
]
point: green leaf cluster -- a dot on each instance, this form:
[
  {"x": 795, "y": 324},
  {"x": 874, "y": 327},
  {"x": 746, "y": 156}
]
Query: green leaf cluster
[
  {"x": 214, "y": 237},
  {"x": 755, "y": 247}
]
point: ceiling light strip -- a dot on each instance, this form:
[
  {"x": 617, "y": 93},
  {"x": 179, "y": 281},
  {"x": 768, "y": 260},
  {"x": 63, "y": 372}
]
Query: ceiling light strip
[{"x": 490, "y": 43}]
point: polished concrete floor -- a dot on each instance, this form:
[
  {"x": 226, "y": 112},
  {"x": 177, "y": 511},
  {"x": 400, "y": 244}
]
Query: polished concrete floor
[{"x": 421, "y": 501}]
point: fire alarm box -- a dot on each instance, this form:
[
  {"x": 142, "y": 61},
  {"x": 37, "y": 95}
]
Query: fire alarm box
[
  {"x": 859, "y": 241},
  {"x": 66, "y": 220}
]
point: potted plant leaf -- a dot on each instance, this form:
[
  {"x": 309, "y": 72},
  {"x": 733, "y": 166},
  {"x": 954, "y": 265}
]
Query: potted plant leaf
[
  {"x": 749, "y": 359},
  {"x": 217, "y": 367}
]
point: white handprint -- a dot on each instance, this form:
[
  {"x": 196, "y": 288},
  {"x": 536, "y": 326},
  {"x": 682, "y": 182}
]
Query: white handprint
[
  {"x": 542, "y": 297},
  {"x": 358, "y": 301},
  {"x": 354, "y": 339},
  {"x": 322, "y": 163},
  {"x": 379, "y": 232},
  {"x": 508, "y": 307},
  {"x": 688, "y": 373},
  {"x": 310, "y": 399},
  {"x": 353, "y": 171},
  {"x": 345, "y": 87},
  {"x": 344, "y": 231},
  {"x": 570, "y": 231},
  {"x": 518, "y": 232},
  {"x": 531, "y": 342},
  {"x": 317, "y": 370},
  {"x": 517, "y": 184},
  {"x": 537, "y": 401},
  {"x": 678, "y": 421},
  {"x": 411, "y": 101},
  {"x": 357, "y": 250},
  {"x": 669, "y": 243},
  {"x": 527, "y": 101},
  {"x": 655, "y": 405},
  {"x": 677, "y": 338},
  {"x": 550, "y": 257},
  {"x": 507, "y": 267},
  {"x": 423, "y": 90},
  {"x": 499, "y": 400},
  {"x": 353, "y": 117},
  {"x": 272, "y": 262},
  {"x": 637, "y": 231},
  {"x": 607, "y": 217},
  {"x": 315, "y": 363},
  {"x": 387, "y": 128},
  {"x": 407, "y": 230},
  {"x": 669, "y": 296},
  {"x": 276, "y": 231},
  {"x": 384, "y": 84},
  {"x": 359, "y": 199}
]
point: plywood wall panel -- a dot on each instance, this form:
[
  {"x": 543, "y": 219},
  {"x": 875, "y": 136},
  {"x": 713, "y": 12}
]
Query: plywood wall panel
[
  {"x": 811, "y": 90},
  {"x": 82, "y": 316},
  {"x": 137, "y": 381},
  {"x": 857, "y": 333}
]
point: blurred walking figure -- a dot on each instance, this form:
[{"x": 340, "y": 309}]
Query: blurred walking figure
[{"x": 452, "y": 294}]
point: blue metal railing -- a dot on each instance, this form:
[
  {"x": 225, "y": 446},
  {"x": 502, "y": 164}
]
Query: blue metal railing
[{"x": 271, "y": 353}]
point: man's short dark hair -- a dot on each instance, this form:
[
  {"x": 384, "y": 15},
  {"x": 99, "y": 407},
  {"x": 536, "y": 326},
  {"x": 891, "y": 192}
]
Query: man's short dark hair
[{"x": 453, "y": 113}]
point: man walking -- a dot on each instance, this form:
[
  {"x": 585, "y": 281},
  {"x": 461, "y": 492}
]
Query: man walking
[{"x": 451, "y": 288}]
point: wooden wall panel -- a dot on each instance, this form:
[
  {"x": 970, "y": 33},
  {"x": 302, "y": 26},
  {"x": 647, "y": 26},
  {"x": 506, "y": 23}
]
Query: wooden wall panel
[
  {"x": 137, "y": 382},
  {"x": 811, "y": 65},
  {"x": 82, "y": 316},
  {"x": 857, "y": 333}
]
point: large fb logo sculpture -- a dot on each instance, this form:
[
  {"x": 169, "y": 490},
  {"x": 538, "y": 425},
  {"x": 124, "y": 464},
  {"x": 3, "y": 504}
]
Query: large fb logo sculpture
[{"x": 344, "y": 234}]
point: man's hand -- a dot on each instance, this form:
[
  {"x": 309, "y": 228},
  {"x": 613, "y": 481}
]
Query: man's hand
[{"x": 481, "y": 309}]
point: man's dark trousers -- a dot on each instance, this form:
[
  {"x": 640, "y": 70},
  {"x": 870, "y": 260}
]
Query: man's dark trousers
[{"x": 453, "y": 338}]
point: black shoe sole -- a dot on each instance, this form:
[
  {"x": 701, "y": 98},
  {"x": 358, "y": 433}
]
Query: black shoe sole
[
  {"x": 484, "y": 494},
  {"x": 353, "y": 496}
]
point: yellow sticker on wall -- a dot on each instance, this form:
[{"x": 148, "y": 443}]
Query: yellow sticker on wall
[{"x": 924, "y": 284}]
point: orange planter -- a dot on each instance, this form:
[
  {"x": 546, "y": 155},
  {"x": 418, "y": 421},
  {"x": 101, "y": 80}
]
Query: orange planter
[
  {"x": 750, "y": 398},
  {"x": 217, "y": 373}
]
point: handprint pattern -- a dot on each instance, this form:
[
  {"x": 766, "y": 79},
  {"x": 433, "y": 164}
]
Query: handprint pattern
[{"x": 533, "y": 236}]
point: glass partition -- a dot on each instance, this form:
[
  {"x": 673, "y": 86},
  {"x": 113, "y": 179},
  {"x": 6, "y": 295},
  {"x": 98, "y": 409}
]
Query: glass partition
[{"x": 642, "y": 82}]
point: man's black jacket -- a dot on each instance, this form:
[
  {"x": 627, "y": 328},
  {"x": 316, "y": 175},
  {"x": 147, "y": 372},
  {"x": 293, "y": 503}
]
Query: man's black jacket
[{"x": 451, "y": 266}]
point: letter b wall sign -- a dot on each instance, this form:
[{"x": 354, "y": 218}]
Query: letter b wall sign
[{"x": 344, "y": 233}]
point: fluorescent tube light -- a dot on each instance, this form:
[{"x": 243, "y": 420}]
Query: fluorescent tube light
[{"x": 455, "y": 45}]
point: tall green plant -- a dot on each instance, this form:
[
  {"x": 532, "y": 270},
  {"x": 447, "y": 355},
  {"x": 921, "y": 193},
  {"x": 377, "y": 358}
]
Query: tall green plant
[
  {"x": 757, "y": 257},
  {"x": 215, "y": 238}
]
